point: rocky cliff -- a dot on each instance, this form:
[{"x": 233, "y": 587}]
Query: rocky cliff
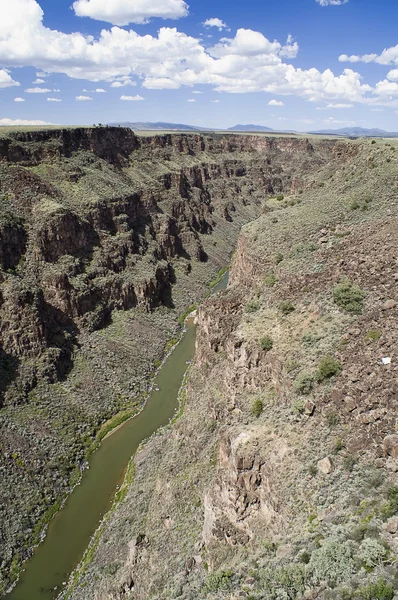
[
  {"x": 280, "y": 479},
  {"x": 105, "y": 238}
]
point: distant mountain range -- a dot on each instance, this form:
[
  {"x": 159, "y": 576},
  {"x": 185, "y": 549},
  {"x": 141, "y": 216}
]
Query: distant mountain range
[
  {"x": 159, "y": 126},
  {"x": 345, "y": 131},
  {"x": 356, "y": 132},
  {"x": 256, "y": 128}
]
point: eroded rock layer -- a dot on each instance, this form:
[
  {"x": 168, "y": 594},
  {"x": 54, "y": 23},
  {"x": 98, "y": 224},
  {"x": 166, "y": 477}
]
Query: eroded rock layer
[
  {"x": 105, "y": 238},
  {"x": 280, "y": 479}
]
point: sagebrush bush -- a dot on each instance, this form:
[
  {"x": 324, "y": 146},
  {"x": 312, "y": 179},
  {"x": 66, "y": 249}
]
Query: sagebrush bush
[
  {"x": 270, "y": 280},
  {"x": 266, "y": 343},
  {"x": 304, "y": 383},
  {"x": 349, "y": 296},
  {"x": 257, "y": 408},
  {"x": 286, "y": 307},
  {"x": 332, "y": 562},
  {"x": 371, "y": 553},
  {"x": 217, "y": 581},
  {"x": 328, "y": 367}
]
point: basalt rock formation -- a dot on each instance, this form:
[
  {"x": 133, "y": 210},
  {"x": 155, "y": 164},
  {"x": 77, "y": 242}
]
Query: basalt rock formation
[
  {"x": 105, "y": 238},
  {"x": 280, "y": 480}
]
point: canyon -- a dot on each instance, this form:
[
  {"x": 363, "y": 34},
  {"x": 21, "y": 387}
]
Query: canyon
[{"x": 285, "y": 457}]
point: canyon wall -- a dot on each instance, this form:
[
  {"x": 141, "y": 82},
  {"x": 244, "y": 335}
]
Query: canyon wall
[
  {"x": 105, "y": 238},
  {"x": 280, "y": 479}
]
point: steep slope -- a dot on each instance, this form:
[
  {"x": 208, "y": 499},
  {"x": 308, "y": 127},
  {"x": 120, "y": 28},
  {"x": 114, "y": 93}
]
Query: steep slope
[
  {"x": 280, "y": 479},
  {"x": 105, "y": 238}
]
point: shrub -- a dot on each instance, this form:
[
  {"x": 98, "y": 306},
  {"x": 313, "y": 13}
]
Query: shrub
[
  {"x": 220, "y": 580},
  {"x": 373, "y": 335},
  {"x": 371, "y": 553},
  {"x": 252, "y": 306},
  {"x": 332, "y": 562},
  {"x": 257, "y": 408},
  {"x": 328, "y": 367},
  {"x": 332, "y": 419},
  {"x": 280, "y": 197},
  {"x": 266, "y": 343},
  {"x": 349, "y": 296},
  {"x": 298, "y": 407},
  {"x": 390, "y": 508},
  {"x": 270, "y": 280},
  {"x": 304, "y": 383},
  {"x": 288, "y": 581},
  {"x": 278, "y": 258},
  {"x": 355, "y": 205},
  {"x": 373, "y": 141},
  {"x": 286, "y": 307},
  {"x": 380, "y": 590}
]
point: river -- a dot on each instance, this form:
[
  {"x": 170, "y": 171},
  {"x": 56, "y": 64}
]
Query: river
[{"x": 70, "y": 531}]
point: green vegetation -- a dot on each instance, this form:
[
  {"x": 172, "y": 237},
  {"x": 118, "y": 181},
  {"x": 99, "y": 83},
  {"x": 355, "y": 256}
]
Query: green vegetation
[
  {"x": 186, "y": 313},
  {"x": 332, "y": 562},
  {"x": 270, "y": 280},
  {"x": 278, "y": 258},
  {"x": 304, "y": 383},
  {"x": 252, "y": 306},
  {"x": 280, "y": 197},
  {"x": 218, "y": 581},
  {"x": 219, "y": 277},
  {"x": 349, "y": 296},
  {"x": 257, "y": 408},
  {"x": 286, "y": 307},
  {"x": 266, "y": 343},
  {"x": 327, "y": 368},
  {"x": 373, "y": 335}
]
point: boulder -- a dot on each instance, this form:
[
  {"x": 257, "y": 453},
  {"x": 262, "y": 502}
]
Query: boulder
[{"x": 325, "y": 465}]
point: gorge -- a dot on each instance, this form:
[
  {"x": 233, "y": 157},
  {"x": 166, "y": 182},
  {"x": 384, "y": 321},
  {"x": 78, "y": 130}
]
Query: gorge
[{"x": 287, "y": 447}]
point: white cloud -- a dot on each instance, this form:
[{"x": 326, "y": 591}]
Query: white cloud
[
  {"x": 132, "y": 98},
  {"x": 54, "y": 100},
  {"x": 11, "y": 122},
  {"x": 197, "y": 92},
  {"x": 123, "y": 12},
  {"x": 333, "y": 121},
  {"x": 377, "y": 109},
  {"x": 83, "y": 98},
  {"x": 6, "y": 80},
  {"x": 215, "y": 101},
  {"x": 38, "y": 81},
  {"x": 123, "y": 82},
  {"x": 393, "y": 75},
  {"x": 389, "y": 56},
  {"x": 214, "y": 22},
  {"x": 331, "y": 2},
  {"x": 56, "y": 91},
  {"x": 276, "y": 103},
  {"x": 331, "y": 105},
  {"x": 41, "y": 74},
  {"x": 37, "y": 90},
  {"x": 19, "y": 100},
  {"x": 100, "y": 91},
  {"x": 191, "y": 100},
  {"x": 161, "y": 83},
  {"x": 246, "y": 62}
]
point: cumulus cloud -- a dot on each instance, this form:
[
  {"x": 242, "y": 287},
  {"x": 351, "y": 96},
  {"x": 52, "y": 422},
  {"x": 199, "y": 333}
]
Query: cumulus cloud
[
  {"x": 332, "y": 2},
  {"x": 38, "y": 81},
  {"x": 276, "y": 103},
  {"x": 6, "y": 80},
  {"x": 37, "y": 90},
  {"x": 191, "y": 100},
  {"x": 245, "y": 62},
  {"x": 214, "y": 22},
  {"x": 132, "y": 98},
  {"x": 54, "y": 100},
  {"x": 393, "y": 75},
  {"x": 10, "y": 122},
  {"x": 83, "y": 98},
  {"x": 100, "y": 91},
  {"x": 123, "y": 82},
  {"x": 389, "y": 56},
  {"x": 19, "y": 100},
  {"x": 123, "y": 12}
]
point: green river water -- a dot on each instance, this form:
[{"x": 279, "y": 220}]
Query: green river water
[{"x": 71, "y": 529}]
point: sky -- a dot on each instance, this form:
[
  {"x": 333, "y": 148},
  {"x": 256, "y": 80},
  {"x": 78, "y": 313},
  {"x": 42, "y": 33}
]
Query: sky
[{"x": 287, "y": 64}]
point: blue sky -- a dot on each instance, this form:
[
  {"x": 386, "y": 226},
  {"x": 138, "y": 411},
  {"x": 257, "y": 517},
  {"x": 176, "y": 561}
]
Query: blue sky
[{"x": 287, "y": 64}]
